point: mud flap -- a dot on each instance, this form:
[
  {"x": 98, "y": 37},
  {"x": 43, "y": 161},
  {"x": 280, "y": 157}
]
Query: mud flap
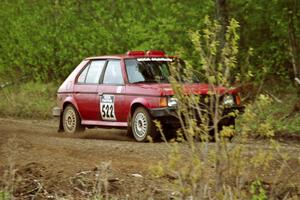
[
  {"x": 60, "y": 127},
  {"x": 129, "y": 129}
]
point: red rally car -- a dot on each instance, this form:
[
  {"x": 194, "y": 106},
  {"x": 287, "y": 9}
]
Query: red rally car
[{"x": 124, "y": 91}]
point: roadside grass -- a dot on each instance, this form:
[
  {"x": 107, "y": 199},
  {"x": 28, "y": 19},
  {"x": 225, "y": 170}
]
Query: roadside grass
[
  {"x": 278, "y": 110},
  {"x": 28, "y": 100},
  {"x": 284, "y": 117}
]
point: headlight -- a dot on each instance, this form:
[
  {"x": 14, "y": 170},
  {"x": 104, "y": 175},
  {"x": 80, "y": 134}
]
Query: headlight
[
  {"x": 172, "y": 102},
  {"x": 228, "y": 100}
]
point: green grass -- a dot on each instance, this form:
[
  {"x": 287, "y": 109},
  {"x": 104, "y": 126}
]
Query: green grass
[
  {"x": 28, "y": 100},
  {"x": 281, "y": 124},
  {"x": 273, "y": 109},
  {"x": 4, "y": 195}
]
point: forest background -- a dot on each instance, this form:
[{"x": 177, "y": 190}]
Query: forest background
[{"x": 41, "y": 42}]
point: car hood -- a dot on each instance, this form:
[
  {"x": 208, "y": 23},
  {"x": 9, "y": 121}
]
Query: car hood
[{"x": 165, "y": 89}]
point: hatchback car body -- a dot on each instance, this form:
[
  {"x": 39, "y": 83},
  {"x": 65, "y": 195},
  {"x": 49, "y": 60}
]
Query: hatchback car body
[{"x": 123, "y": 91}]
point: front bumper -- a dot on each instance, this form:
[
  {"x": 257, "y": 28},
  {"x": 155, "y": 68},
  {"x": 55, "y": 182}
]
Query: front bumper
[
  {"x": 56, "y": 111},
  {"x": 168, "y": 115},
  {"x": 163, "y": 112},
  {"x": 239, "y": 109},
  {"x": 171, "y": 112}
]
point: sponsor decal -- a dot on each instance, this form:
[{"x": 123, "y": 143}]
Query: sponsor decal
[
  {"x": 154, "y": 59},
  {"x": 107, "y": 107}
]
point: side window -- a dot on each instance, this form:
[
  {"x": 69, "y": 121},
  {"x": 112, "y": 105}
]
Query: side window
[
  {"x": 81, "y": 77},
  {"x": 92, "y": 73},
  {"x": 134, "y": 75},
  {"x": 113, "y": 73}
]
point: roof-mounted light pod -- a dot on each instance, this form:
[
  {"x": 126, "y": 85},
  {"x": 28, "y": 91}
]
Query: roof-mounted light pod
[
  {"x": 155, "y": 53},
  {"x": 135, "y": 53}
]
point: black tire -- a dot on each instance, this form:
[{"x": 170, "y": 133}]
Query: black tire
[
  {"x": 142, "y": 125},
  {"x": 169, "y": 132},
  {"x": 71, "y": 120}
]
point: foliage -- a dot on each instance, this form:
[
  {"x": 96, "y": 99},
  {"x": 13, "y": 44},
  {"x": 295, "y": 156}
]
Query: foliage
[
  {"x": 256, "y": 119},
  {"x": 223, "y": 170},
  {"x": 265, "y": 116},
  {"x": 47, "y": 39},
  {"x": 265, "y": 28},
  {"x": 258, "y": 191},
  {"x": 4, "y": 195}
]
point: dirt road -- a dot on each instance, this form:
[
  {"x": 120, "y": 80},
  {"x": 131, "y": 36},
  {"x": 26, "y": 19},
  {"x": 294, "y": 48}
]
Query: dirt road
[
  {"x": 36, "y": 147},
  {"x": 40, "y": 140},
  {"x": 58, "y": 161}
]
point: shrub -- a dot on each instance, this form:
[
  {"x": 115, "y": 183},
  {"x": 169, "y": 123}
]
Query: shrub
[{"x": 223, "y": 170}]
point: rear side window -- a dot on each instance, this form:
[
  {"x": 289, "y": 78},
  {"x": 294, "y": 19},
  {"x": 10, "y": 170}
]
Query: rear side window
[
  {"x": 113, "y": 73},
  {"x": 91, "y": 74},
  {"x": 81, "y": 77}
]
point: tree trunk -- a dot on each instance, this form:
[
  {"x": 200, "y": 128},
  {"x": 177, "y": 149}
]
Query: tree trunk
[
  {"x": 222, "y": 18},
  {"x": 294, "y": 45}
]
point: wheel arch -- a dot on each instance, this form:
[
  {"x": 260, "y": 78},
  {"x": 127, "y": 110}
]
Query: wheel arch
[
  {"x": 133, "y": 107},
  {"x": 138, "y": 102},
  {"x": 71, "y": 127},
  {"x": 65, "y": 104}
]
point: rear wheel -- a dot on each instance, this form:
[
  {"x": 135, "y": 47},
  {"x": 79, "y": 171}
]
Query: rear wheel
[
  {"x": 71, "y": 120},
  {"x": 142, "y": 125}
]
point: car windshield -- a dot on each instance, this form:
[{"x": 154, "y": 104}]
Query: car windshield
[{"x": 151, "y": 70}]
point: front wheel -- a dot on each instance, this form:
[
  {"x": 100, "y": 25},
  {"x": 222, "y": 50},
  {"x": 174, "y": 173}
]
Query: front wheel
[
  {"x": 142, "y": 125},
  {"x": 71, "y": 120},
  {"x": 228, "y": 122}
]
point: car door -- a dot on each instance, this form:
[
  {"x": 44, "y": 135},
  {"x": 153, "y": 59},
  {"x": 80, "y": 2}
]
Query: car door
[
  {"x": 111, "y": 92},
  {"x": 85, "y": 90}
]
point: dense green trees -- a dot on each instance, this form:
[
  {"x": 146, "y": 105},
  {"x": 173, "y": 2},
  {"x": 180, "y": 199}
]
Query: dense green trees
[{"x": 46, "y": 39}]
